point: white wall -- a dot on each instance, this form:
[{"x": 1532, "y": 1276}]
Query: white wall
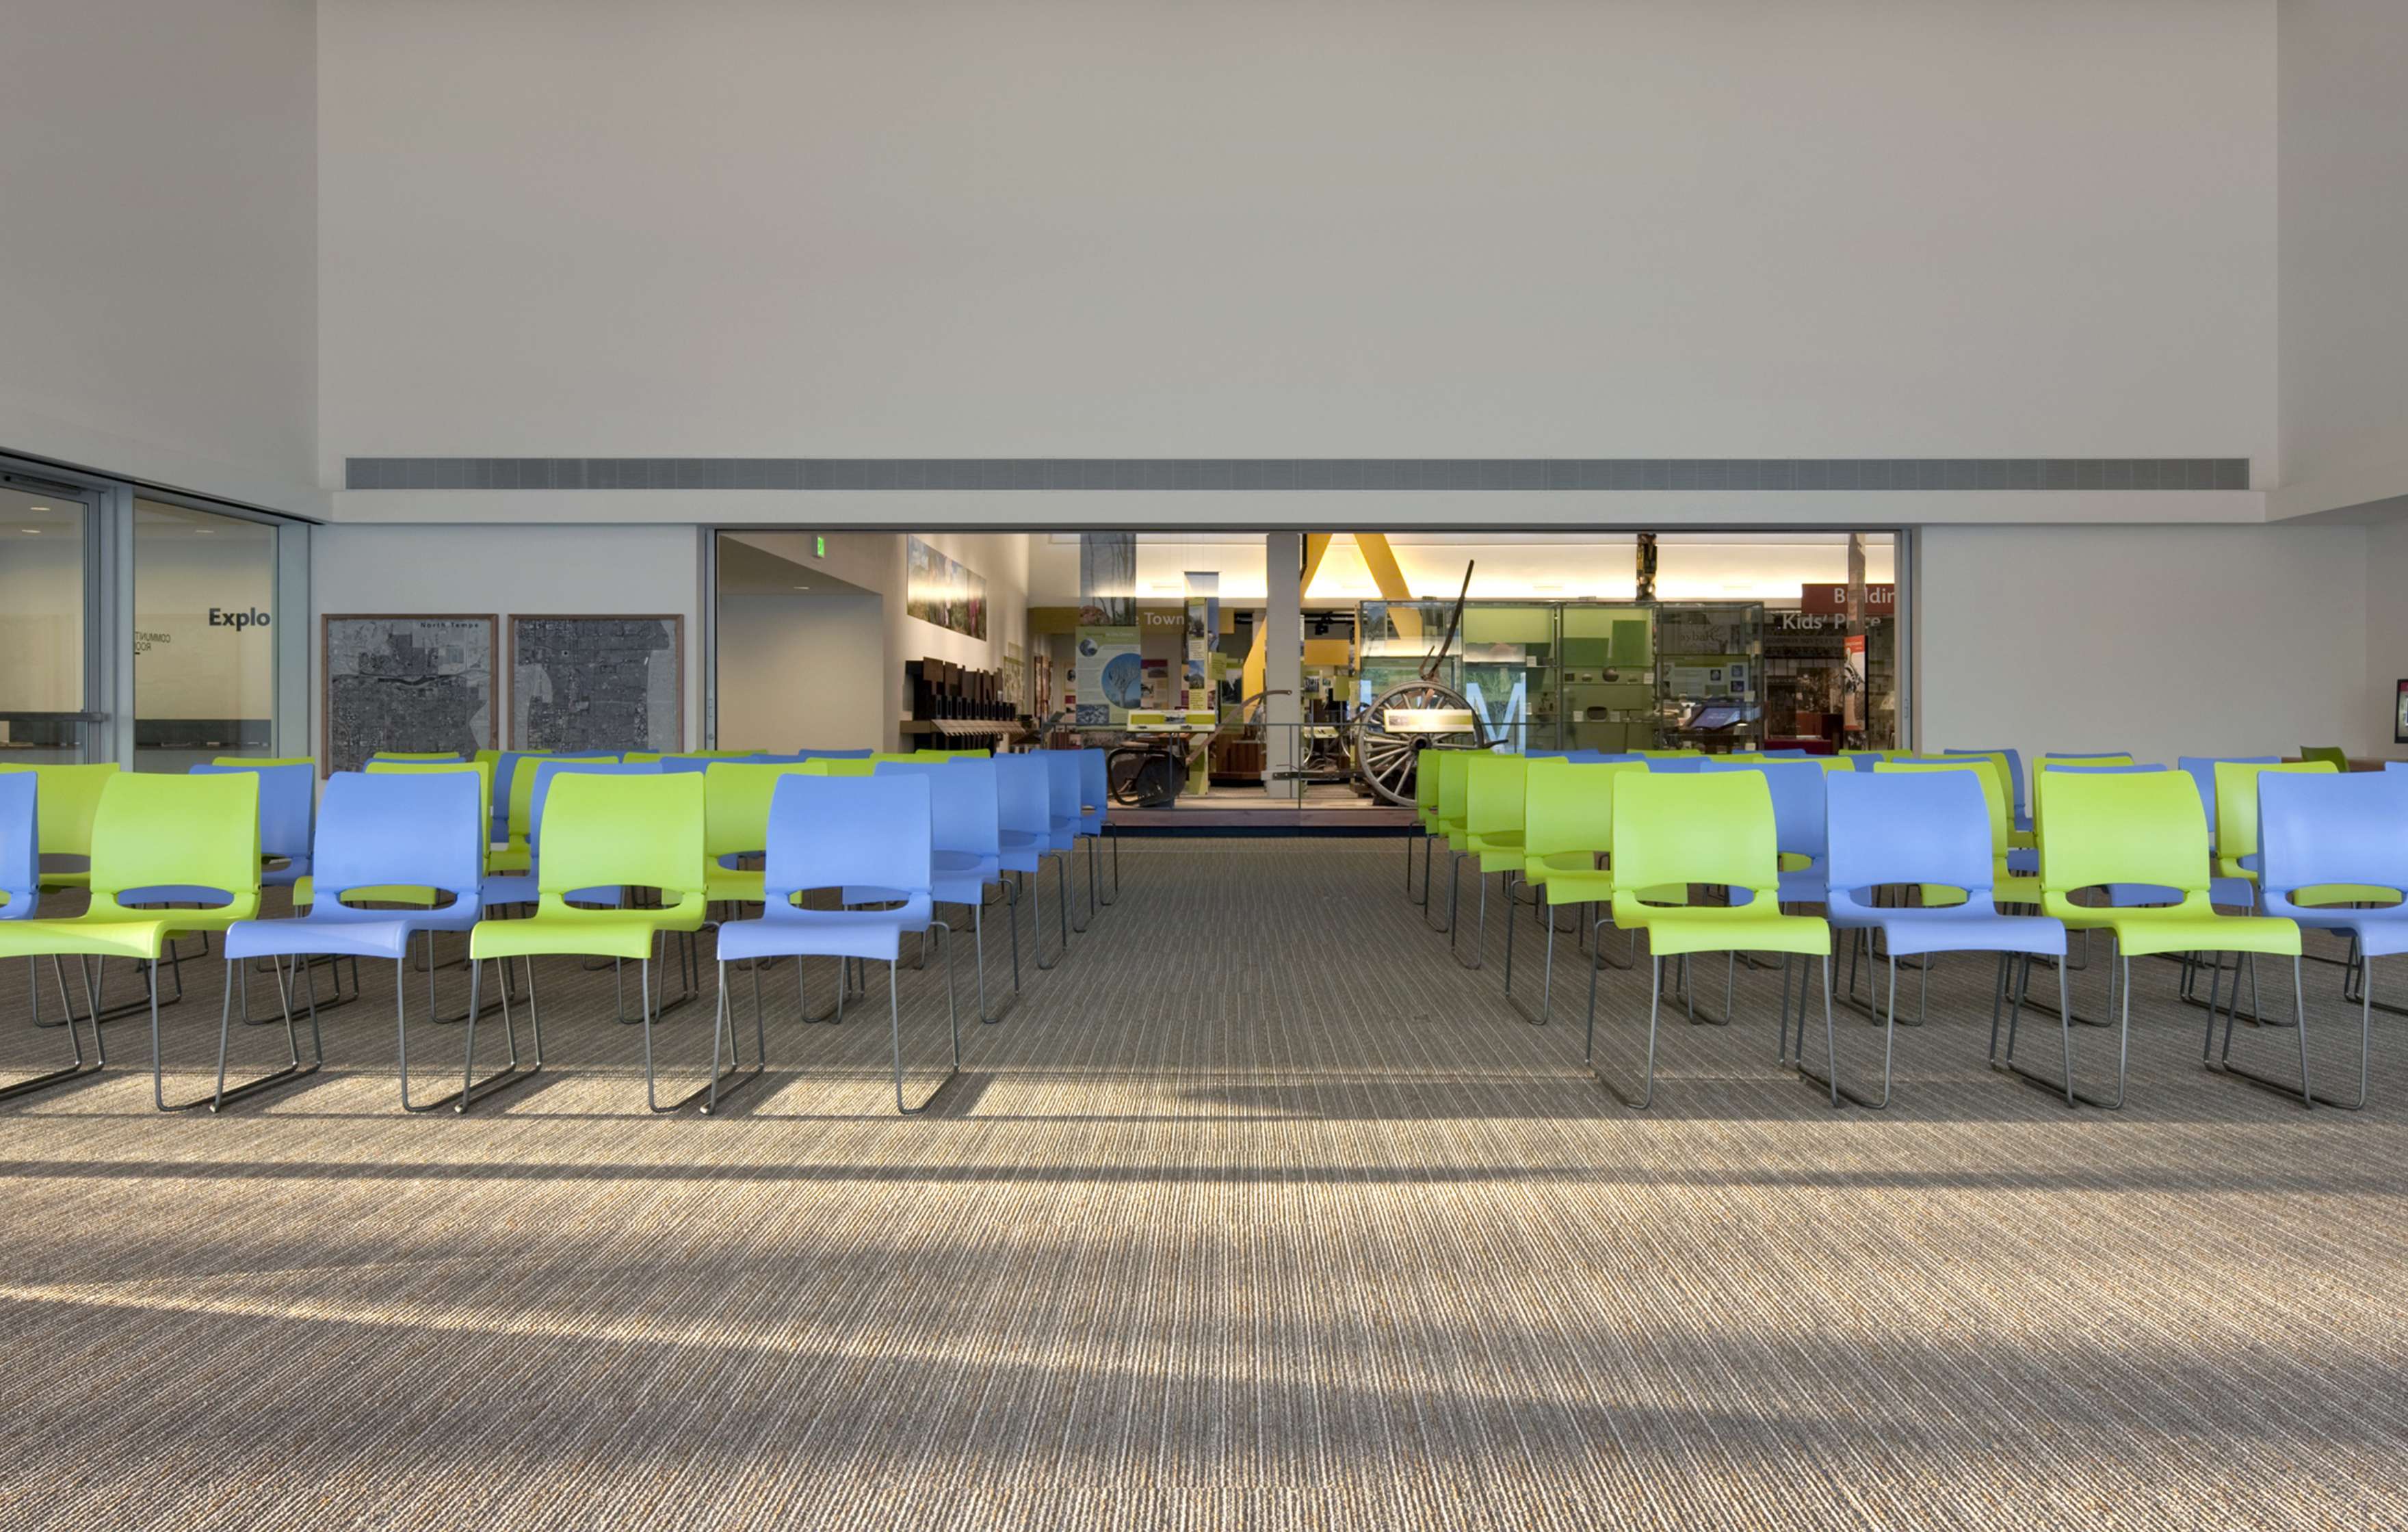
[
  {"x": 505, "y": 569},
  {"x": 876, "y": 563},
  {"x": 2386, "y": 630},
  {"x": 1358, "y": 227},
  {"x": 2209, "y": 641},
  {"x": 805, "y": 669},
  {"x": 2344, "y": 247},
  {"x": 158, "y": 251}
]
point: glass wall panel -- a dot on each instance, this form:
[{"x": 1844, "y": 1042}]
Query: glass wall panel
[
  {"x": 204, "y": 636},
  {"x": 44, "y": 540}
]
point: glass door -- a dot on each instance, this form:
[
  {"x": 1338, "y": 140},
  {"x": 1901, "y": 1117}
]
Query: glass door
[
  {"x": 204, "y": 636},
  {"x": 48, "y": 648}
]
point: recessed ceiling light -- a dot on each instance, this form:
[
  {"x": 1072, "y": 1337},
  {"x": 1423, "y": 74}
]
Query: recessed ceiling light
[
  {"x": 802, "y": 587},
  {"x": 31, "y": 531},
  {"x": 38, "y": 507}
]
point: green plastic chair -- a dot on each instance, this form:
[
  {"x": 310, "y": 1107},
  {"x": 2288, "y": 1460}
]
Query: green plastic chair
[
  {"x": 2332, "y": 755},
  {"x": 263, "y": 761},
  {"x": 1426, "y": 812},
  {"x": 736, "y": 822},
  {"x": 157, "y": 831},
  {"x": 1567, "y": 853},
  {"x": 2041, "y": 767},
  {"x": 514, "y": 855},
  {"x": 1454, "y": 778},
  {"x": 602, "y": 832},
  {"x": 848, "y": 766},
  {"x": 2142, "y": 828},
  {"x": 64, "y": 805},
  {"x": 1492, "y": 835},
  {"x": 1675, "y": 829}
]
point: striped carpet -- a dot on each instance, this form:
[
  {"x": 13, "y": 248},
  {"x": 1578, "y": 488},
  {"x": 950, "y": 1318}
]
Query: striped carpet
[{"x": 1257, "y": 1211}]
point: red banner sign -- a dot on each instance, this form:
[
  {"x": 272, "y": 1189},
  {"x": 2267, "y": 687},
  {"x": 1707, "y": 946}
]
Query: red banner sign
[{"x": 1832, "y": 600}]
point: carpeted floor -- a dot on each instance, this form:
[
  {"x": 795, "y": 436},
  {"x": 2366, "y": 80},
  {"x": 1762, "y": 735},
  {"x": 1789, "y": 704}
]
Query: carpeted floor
[{"x": 1257, "y": 1211}]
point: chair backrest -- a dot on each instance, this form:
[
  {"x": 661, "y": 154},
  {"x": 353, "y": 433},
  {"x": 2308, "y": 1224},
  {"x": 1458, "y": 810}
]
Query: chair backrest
[
  {"x": 1492, "y": 795},
  {"x": 416, "y": 755},
  {"x": 288, "y": 796},
  {"x": 1663, "y": 761},
  {"x": 637, "y": 829},
  {"x": 2109, "y": 827},
  {"x": 965, "y": 804},
  {"x": 399, "y": 827},
  {"x": 2201, "y": 769},
  {"x": 1798, "y": 803},
  {"x": 1698, "y": 828},
  {"x": 1425, "y": 779},
  {"x": 2012, "y": 760},
  {"x": 2236, "y": 804},
  {"x": 850, "y": 832},
  {"x": 1782, "y": 754},
  {"x": 20, "y": 845},
  {"x": 1454, "y": 778},
  {"x": 179, "y": 832},
  {"x": 1024, "y": 794},
  {"x": 69, "y": 799},
  {"x": 1567, "y": 805},
  {"x": 516, "y": 771},
  {"x": 1062, "y": 771},
  {"x": 736, "y": 806},
  {"x": 810, "y": 755},
  {"x": 840, "y": 766},
  {"x": 1929, "y": 827},
  {"x": 2332, "y": 755},
  {"x": 1994, "y": 796},
  {"x": 2058, "y": 765},
  {"x": 548, "y": 773},
  {"x": 483, "y": 771},
  {"x": 2344, "y": 830},
  {"x": 310, "y": 761}
]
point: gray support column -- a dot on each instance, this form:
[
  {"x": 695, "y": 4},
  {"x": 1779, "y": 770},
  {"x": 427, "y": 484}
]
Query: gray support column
[{"x": 1284, "y": 659}]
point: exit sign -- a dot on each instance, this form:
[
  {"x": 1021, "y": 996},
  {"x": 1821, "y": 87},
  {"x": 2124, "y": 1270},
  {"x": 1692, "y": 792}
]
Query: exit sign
[{"x": 819, "y": 548}]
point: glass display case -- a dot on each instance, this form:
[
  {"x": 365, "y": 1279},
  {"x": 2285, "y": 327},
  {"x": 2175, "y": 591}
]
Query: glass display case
[{"x": 1581, "y": 675}]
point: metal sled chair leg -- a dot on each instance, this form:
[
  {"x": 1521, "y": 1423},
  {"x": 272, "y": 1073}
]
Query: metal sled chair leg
[
  {"x": 722, "y": 1030},
  {"x": 2305, "y": 1089},
  {"x": 75, "y": 1070},
  {"x": 2065, "y": 1022},
  {"x": 217, "y": 1102}
]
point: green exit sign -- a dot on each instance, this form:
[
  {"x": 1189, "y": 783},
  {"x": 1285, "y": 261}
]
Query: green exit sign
[{"x": 819, "y": 548}]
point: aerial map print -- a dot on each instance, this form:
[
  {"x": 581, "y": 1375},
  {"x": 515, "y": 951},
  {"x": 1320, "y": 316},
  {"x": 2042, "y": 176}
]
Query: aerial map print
[
  {"x": 597, "y": 684},
  {"x": 407, "y": 684}
]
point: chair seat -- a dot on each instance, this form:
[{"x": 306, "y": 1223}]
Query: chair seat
[
  {"x": 825, "y": 932},
  {"x": 511, "y": 858},
  {"x": 1581, "y": 885},
  {"x": 1962, "y": 928},
  {"x": 510, "y": 887},
  {"x": 2381, "y": 932},
  {"x": 1805, "y": 886},
  {"x": 324, "y": 935},
  {"x": 2014, "y": 890},
  {"x": 584, "y": 932},
  {"x": 83, "y": 937},
  {"x": 2139, "y": 933},
  {"x": 1728, "y": 928}
]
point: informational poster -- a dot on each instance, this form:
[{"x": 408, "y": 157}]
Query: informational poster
[
  {"x": 1107, "y": 676},
  {"x": 1203, "y": 639},
  {"x": 1852, "y": 717}
]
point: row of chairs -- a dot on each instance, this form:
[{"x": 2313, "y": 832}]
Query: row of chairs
[
  {"x": 1928, "y": 855},
  {"x": 379, "y": 865}
]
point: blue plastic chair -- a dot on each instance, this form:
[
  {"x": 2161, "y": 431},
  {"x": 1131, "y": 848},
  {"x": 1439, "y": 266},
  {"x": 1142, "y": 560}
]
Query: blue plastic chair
[
  {"x": 379, "y": 831},
  {"x": 2318, "y": 829},
  {"x": 846, "y": 833},
  {"x": 1025, "y": 785},
  {"x": 1797, "y": 822},
  {"x": 966, "y": 822},
  {"x": 288, "y": 796},
  {"x": 1066, "y": 816},
  {"x": 1933, "y": 829},
  {"x": 20, "y": 898},
  {"x": 1782, "y": 754},
  {"x": 1094, "y": 820},
  {"x": 1675, "y": 763}
]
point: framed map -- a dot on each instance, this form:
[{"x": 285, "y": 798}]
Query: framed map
[
  {"x": 597, "y": 684},
  {"x": 406, "y": 682}
]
